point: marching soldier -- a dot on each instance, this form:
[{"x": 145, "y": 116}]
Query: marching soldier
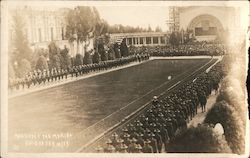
[{"x": 147, "y": 148}]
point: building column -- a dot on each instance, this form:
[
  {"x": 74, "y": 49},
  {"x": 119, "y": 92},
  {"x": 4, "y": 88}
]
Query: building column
[
  {"x": 144, "y": 40},
  {"x": 152, "y": 40},
  {"x": 159, "y": 40}
]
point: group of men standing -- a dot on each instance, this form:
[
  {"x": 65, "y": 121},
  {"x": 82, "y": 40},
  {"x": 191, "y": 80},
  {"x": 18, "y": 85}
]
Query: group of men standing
[
  {"x": 38, "y": 77},
  {"x": 152, "y": 130}
]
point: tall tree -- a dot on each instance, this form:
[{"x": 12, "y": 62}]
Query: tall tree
[
  {"x": 21, "y": 54},
  {"x": 81, "y": 22},
  {"x": 41, "y": 63},
  {"x": 65, "y": 58},
  {"x": 54, "y": 56},
  {"x": 158, "y": 29}
]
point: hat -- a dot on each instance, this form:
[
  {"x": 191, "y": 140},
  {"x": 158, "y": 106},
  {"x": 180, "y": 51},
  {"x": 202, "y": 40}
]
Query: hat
[
  {"x": 138, "y": 146},
  {"x": 124, "y": 146},
  {"x": 108, "y": 141},
  {"x": 111, "y": 148},
  {"x": 134, "y": 140},
  {"x": 125, "y": 129},
  {"x": 114, "y": 135},
  {"x": 120, "y": 140},
  {"x": 147, "y": 141},
  {"x": 126, "y": 135},
  {"x": 157, "y": 130},
  {"x": 155, "y": 97}
]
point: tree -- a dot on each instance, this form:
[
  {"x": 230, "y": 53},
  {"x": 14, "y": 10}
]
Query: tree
[
  {"x": 23, "y": 68},
  {"x": 117, "y": 51},
  {"x": 201, "y": 139},
  {"x": 65, "y": 58},
  {"x": 87, "y": 58},
  {"x": 22, "y": 52},
  {"x": 174, "y": 39},
  {"x": 81, "y": 21},
  {"x": 41, "y": 63},
  {"x": 224, "y": 114},
  {"x": 158, "y": 29},
  {"x": 102, "y": 52},
  {"x": 78, "y": 60},
  {"x": 149, "y": 28},
  {"x": 54, "y": 56},
  {"x": 96, "y": 57},
  {"x": 21, "y": 45},
  {"x": 111, "y": 53},
  {"x": 124, "y": 49}
]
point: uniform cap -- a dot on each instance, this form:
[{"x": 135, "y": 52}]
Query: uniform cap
[{"x": 108, "y": 141}]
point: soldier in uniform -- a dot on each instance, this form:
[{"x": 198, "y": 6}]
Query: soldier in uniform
[
  {"x": 153, "y": 142},
  {"x": 114, "y": 139},
  {"x": 155, "y": 100},
  {"x": 147, "y": 148},
  {"x": 126, "y": 138},
  {"x": 109, "y": 147},
  {"x": 124, "y": 148},
  {"x": 99, "y": 149},
  {"x": 132, "y": 146}
]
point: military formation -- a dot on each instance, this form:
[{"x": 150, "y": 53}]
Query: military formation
[
  {"x": 38, "y": 77},
  {"x": 199, "y": 48},
  {"x": 152, "y": 130}
]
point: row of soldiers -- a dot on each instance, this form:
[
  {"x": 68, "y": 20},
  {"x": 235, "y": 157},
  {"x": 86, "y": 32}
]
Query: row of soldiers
[
  {"x": 38, "y": 77},
  {"x": 210, "y": 49},
  {"x": 152, "y": 130}
]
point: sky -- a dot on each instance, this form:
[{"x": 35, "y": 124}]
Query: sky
[{"x": 142, "y": 16}]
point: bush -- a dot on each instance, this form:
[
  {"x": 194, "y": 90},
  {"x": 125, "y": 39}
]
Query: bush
[
  {"x": 87, "y": 58},
  {"x": 232, "y": 93},
  {"x": 23, "y": 68},
  {"x": 41, "y": 63},
  {"x": 96, "y": 58},
  {"x": 117, "y": 51},
  {"x": 65, "y": 59},
  {"x": 201, "y": 139},
  {"x": 78, "y": 60},
  {"x": 111, "y": 54},
  {"x": 222, "y": 113}
]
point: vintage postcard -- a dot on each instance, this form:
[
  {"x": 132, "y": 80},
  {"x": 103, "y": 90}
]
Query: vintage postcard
[{"x": 124, "y": 78}]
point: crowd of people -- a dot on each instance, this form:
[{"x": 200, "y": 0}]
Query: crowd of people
[
  {"x": 200, "y": 48},
  {"x": 38, "y": 77},
  {"x": 152, "y": 130}
]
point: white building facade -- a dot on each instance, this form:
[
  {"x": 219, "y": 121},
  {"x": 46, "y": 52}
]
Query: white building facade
[{"x": 43, "y": 26}]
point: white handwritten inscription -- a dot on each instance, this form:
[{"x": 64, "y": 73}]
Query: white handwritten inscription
[{"x": 54, "y": 140}]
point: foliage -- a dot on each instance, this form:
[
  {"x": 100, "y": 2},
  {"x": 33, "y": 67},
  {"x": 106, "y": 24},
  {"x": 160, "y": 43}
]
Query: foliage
[
  {"x": 82, "y": 23},
  {"x": 20, "y": 44},
  {"x": 54, "y": 56},
  {"x": 96, "y": 57},
  {"x": 41, "y": 63},
  {"x": 201, "y": 139},
  {"x": 78, "y": 60},
  {"x": 117, "y": 51},
  {"x": 174, "y": 39},
  {"x": 224, "y": 114},
  {"x": 65, "y": 58},
  {"x": 111, "y": 53},
  {"x": 23, "y": 68},
  {"x": 124, "y": 49},
  {"x": 158, "y": 29},
  {"x": 125, "y": 29},
  {"x": 87, "y": 58},
  {"x": 102, "y": 52}
]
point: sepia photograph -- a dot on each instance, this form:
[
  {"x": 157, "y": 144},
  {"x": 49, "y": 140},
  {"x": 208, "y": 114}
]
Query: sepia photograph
[{"x": 124, "y": 78}]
